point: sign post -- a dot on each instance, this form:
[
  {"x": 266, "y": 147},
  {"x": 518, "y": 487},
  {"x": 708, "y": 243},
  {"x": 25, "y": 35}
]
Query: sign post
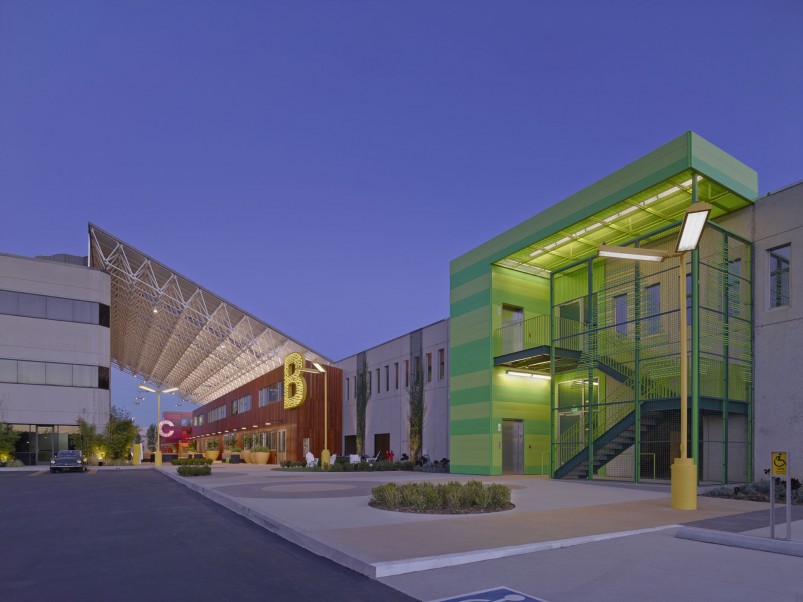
[{"x": 780, "y": 468}]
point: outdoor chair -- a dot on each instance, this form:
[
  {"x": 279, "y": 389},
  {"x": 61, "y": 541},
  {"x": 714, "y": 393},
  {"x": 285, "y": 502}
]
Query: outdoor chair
[{"x": 312, "y": 461}]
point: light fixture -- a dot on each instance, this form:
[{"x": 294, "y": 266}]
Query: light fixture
[
  {"x": 612, "y": 218},
  {"x": 267, "y": 424},
  {"x": 256, "y": 425},
  {"x": 528, "y": 375},
  {"x": 156, "y": 311},
  {"x": 319, "y": 369},
  {"x": 693, "y": 225},
  {"x": 632, "y": 253},
  {"x": 144, "y": 387},
  {"x": 683, "y": 471}
]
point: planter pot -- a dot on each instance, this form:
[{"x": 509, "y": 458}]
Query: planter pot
[
  {"x": 211, "y": 455},
  {"x": 248, "y": 456},
  {"x": 260, "y": 457}
]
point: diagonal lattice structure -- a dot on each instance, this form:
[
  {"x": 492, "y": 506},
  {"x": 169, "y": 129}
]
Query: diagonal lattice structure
[{"x": 168, "y": 330}]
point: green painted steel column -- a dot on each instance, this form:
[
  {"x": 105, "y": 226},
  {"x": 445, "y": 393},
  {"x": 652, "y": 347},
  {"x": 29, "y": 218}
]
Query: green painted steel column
[
  {"x": 749, "y": 392},
  {"x": 637, "y": 365},
  {"x": 695, "y": 344},
  {"x": 726, "y": 354},
  {"x": 553, "y": 402},
  {"x": 592, "y": 363}
]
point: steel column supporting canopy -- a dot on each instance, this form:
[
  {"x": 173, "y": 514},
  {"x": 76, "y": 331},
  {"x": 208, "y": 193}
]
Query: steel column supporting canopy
[{"x": 168, "y": 330}]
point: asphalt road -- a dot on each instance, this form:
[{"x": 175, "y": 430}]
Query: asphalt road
[{"x": 136, "y": 535}]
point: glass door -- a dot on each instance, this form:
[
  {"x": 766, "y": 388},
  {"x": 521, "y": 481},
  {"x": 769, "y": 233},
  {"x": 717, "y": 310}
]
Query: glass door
[{"x": 44, "y": 443}]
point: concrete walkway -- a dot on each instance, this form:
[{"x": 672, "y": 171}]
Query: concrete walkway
[
  {"x": 328, "y": 513},
  {"x": 565, "y": 540}
]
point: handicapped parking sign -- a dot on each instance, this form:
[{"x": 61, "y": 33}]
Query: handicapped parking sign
[
  {"x": 778, "y": 464},
  {"x": 497, "y": 594}
]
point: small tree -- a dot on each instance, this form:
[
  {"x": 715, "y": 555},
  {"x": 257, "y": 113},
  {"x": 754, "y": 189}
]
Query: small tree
[
  {"x": 87, "y": 438},
  {"x": 120, "y": 433},
  {"x": 417, "y": 410},
  {"x": 363, "y": 395},
  {"x": 8, "y": 440},
  {"x": 151, "y": 437}
]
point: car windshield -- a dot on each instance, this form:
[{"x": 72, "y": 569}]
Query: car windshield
[{"x": 68, "y": 453}]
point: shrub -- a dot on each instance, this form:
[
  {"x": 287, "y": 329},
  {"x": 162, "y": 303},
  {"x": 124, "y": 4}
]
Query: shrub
[
  {"x": 452, "y": 498},
  {"x": 191, "y": 461},
  {"x": 500, "y": 495},
  {"x": 195, "y": 470},
  {"x": 388, "y": 494},
  {"x": 260, "y": 449}
]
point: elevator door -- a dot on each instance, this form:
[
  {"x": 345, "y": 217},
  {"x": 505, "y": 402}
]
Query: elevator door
[{"x": 513, "y": 447}]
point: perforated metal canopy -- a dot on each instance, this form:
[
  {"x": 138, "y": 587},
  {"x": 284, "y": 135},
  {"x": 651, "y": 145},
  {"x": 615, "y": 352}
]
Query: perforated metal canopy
[{"x": 172, "y": 332}]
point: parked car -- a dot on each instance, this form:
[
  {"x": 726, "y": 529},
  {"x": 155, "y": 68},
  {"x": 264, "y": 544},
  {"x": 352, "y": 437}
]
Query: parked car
[{"x": 68, "y": 459}]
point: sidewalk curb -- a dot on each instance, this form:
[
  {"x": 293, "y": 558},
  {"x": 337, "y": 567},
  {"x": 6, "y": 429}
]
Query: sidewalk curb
[
  {"x": 750, "y": 542},
  {"x": 425, "y": 563}
]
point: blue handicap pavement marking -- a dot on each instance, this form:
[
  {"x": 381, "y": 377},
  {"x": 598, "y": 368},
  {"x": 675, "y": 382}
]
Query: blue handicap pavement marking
[{"x": 497, "y": 594}]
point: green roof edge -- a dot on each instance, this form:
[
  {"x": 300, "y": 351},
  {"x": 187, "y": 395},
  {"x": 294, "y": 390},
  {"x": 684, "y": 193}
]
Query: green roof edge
[{"x": 688, "y": 151}]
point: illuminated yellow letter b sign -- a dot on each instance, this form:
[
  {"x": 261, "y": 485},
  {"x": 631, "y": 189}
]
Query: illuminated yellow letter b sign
[{"x": 295, "y": 387}]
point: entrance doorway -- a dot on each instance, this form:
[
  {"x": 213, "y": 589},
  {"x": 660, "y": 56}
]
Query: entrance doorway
[
  {"x": 513, "y": 447},
  {"x": 381, "y": 443},
  {"x": 512, "y": 328},
  {"x": 44, "y": 443}
]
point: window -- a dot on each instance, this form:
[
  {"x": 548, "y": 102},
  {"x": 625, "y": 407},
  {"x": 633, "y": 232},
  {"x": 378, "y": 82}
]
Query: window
[
  {"x": 429, "y": 367},
  {"x": 620, "y": 313},
  {"x": 368, "y": 387},
  {"x": 441, "y": 364},
  {"x": 32, "y": 306},
  {"x": 59, "y": 309},
  {"x": 378, "y": 384},
  {"x": 8, "y": 303},
  {"x": 8, "y": 371},
  {"x": 406, "y": 373},
  {"x": 653, "y": 294},
  {"x": 348, "y": 388},
  {"x": 734, "y": 287},
  {"x": 58, "y": 374},
  {"x": 86, "y": 312},
  {"x": 355, "y": 387},
  {"x": 396, "y": 367},
  {"x": 779, "y": 276},
  {"x": 387, "y": 378}
]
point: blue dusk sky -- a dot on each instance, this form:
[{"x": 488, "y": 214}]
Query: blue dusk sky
[{"x": 319, "y": 164}]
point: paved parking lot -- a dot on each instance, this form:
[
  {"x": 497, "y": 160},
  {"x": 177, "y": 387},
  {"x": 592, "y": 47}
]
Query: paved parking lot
[{"x": 137, "y": 535}]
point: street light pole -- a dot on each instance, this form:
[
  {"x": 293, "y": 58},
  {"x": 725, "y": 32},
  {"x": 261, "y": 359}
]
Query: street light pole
[
  {"x": 683, "y": 470},
  {"x": 325, "y": 455},
  {"x": 158, "y": 457}
]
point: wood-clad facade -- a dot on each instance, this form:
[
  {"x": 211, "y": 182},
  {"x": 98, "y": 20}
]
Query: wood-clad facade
[{"x": 291, "y": 427}]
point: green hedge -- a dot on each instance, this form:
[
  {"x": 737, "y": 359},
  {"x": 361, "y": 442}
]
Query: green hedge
[
  {"x": 191, "y": 461},
  {"x": 195, "y": 470},
  {"x": 447, "y": 498}
]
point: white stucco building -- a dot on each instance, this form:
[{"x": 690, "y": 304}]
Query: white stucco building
[
  {"x": 390, "y": 367},
  {"x": 54, "y": 350}
]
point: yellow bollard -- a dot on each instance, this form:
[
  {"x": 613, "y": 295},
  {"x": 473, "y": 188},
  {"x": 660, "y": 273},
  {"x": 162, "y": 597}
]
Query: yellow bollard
[
  {"x": 684, "y": 484},
  {"x": 137, "y": 454}
]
